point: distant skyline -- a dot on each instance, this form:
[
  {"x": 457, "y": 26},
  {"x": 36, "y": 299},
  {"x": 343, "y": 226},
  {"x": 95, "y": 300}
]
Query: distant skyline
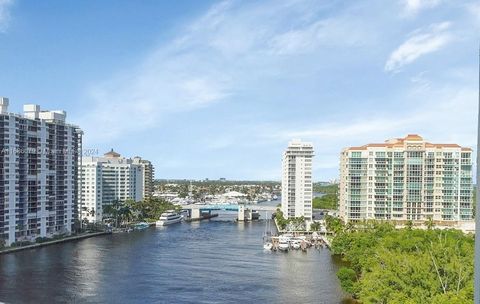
[{"x": 210, "y": 89}]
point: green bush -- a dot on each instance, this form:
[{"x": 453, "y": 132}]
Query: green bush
[
  {"x": 21, "y": 243},
  {"x": 41, "y": 239}
]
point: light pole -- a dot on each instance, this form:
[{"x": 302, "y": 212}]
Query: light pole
[{"x": 477, "y": 207}]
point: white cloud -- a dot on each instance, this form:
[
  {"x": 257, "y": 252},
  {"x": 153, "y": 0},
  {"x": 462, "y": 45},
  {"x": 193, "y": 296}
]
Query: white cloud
[
  {"x": 439, "y": 113},
  {"x": 5, "y": 6},
  {"x": 413, "y": 7},
  {"x": 421, "y": 42},
  {"x": 326, "y": 33},
  {"x": 207, "y": 62}
]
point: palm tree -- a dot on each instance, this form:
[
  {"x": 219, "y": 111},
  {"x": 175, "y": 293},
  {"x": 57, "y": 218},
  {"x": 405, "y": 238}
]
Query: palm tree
[
  {"x": 430, "y": 224},
  {"x": 350, "y": 226},
  {"x": 315, "y": 226},
  {"x": 113, "y": 211},
  {"x": 125, "y": 213}
]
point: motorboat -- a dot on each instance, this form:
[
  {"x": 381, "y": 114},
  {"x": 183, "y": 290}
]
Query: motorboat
[
  {"x": 141, "y": 226},
  {"x": 185, "y": 213},
  {"x": 284, "y": 243},
  {"x": 295, "y": 244},
  {"x": 169, "y": 217},
  {"x": 267, "y": 246}
]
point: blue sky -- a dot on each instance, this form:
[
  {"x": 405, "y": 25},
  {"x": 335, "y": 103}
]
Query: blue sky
[{"x": 209, "y": 89}]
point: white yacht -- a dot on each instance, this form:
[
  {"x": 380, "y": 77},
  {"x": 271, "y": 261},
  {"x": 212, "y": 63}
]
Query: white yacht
[
  {"x": 284, "y": 243},
  {"x": 169, "y": 217}
]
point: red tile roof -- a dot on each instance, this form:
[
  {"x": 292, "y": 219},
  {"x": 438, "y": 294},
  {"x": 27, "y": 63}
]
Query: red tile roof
[{"x": 400, "y": 142}]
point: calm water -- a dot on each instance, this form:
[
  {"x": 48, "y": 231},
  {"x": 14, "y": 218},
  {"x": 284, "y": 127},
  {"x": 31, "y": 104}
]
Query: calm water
[{"x": 217, "y": 261}]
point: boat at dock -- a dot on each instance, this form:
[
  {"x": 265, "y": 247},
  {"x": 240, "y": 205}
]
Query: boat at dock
[
  {"x": 168, "y": 218},
  {"x": 141, "y": 226},
  {"x": 295, "y": 244},
  {"x": 267, "y": 246},
  {"x": 267, "y": 235},
  {"x": 283, "y": 243}
]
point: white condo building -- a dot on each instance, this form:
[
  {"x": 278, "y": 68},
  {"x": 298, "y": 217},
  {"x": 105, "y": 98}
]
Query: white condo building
[
  {"x": 297, "y": 187},
  {"x": 407, "y": 179},
  {"x": 38, "y": 173},
  {"x": 111, "y": 178}
]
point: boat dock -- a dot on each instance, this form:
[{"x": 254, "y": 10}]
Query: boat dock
[{"x": 299, "y": 241}]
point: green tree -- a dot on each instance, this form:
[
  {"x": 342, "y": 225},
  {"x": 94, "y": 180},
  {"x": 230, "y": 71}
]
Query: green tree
[
  {"x": 315, "y": 226},
  {"x": 328, "y": 201},
  {"x": 347, "y": 278},
  {"x": 280, "y": 219},
  {"x": 334, "y": 224},
  {"x": 406, "y": 265},
  {"x": 113, "y": 211}
]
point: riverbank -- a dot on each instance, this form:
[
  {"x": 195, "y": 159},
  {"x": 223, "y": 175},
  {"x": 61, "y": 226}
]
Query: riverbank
[{"x": 52, "y": 242}]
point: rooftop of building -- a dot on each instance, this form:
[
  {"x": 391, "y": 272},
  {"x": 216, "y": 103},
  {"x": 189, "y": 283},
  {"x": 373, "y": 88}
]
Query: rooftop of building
[
  {"x": 112, "y": 154},
  {"x": 401, "y": 143},
  {"x": 33, "y": 112}
]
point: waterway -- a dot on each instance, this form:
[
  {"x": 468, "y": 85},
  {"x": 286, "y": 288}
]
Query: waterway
[{"x": 214, "y": 261}]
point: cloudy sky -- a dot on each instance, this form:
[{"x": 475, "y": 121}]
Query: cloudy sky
[{"x": 209, "y": 89}]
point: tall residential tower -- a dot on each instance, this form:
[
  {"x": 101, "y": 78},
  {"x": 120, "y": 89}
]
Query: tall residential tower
[
  {"x": 111, "y": 178},
  {"x": 406, "y": 179},
  {"x": 38, "y": 173},
  {"x": 148, "y": 175},
  {"x": 297, "y": 187}
]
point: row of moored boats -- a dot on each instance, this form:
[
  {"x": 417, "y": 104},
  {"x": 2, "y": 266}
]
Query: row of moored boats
[{"x": 287, "y": 242}]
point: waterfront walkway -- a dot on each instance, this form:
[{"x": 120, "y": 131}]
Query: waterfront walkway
[{"x": 52, "y": 242}]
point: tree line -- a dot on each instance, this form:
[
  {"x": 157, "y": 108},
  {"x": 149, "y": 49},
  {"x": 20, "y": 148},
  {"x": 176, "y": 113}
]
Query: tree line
[
  {"x": 147, "y": 210},
  {"x": 388, "y": 265}
]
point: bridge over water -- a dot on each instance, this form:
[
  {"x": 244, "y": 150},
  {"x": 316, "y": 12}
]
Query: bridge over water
[
  {"x": 229, "y": 207},
  {"x": 244, "y": 211}
]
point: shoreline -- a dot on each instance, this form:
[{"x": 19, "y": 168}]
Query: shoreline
[{"x": 52, "y": 242}]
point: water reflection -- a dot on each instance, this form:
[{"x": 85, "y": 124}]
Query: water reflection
[{"x": 216, "y": 261}]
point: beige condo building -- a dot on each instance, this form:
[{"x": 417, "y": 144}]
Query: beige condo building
[{"x": 406, "y": 179}]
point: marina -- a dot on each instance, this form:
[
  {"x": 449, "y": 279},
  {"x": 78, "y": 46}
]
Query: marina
[{"x": 287, "y": 242}]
